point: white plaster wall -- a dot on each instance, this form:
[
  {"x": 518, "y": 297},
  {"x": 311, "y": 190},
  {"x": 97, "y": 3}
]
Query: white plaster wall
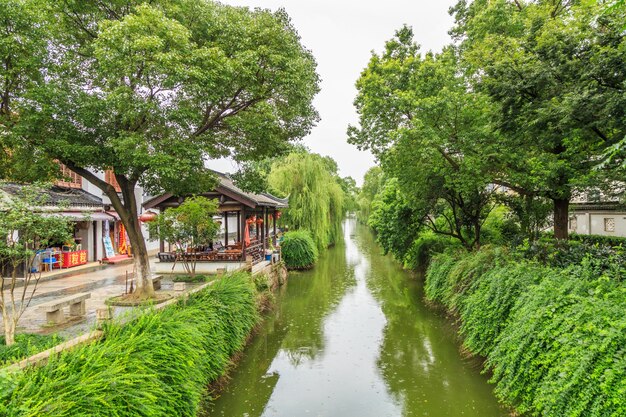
[
  {"x": 232, "y": 230},
  {"x": 201, "y": 267},
  {"x": 593, "y": 223},
  {"x": 92, "y": 189}
]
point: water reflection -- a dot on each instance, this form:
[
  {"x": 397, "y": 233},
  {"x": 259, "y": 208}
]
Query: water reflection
[{"x": 352, "y": 338}]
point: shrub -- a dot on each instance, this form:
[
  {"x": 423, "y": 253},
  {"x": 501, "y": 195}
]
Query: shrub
[
  {"x": 26, "y": 345},
  {"x": 191, "y": 278},
  {"x": 486, "y": 310},
  {"x": 450, "y": 276},
  {"x": 157, "y": 365},
  {"x": 563, "y": 353},
  {"x": 299, "y": 250},
  {"x": 601, "y": 240},
  {"x": 500, "y": 227},
  {"x": 562, "y": 254},
  {"x": 425, "y": 247},
  {"x": 554, "y": 337}
]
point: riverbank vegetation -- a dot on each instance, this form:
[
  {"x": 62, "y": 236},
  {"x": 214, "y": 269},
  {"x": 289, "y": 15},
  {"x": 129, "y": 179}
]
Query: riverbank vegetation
[
  {"x": 169, "y": 357},
  {"x": 482, "y": 147},
  {"x": 553, "y": 337}
]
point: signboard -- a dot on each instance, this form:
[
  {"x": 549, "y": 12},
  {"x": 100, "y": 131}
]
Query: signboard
[
  {"x": 109, "y": 252},
  {"x": 75, "y": 258}
]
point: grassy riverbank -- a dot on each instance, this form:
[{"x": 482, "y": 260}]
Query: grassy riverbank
[
  {"x": 157, "y": 365},
  {"x": 25, "y": 346},
  {"x": 553, "y": 337}
]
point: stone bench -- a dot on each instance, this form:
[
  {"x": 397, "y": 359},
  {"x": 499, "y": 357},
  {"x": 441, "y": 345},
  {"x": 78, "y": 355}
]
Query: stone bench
[{"x": 54, "y": 308}]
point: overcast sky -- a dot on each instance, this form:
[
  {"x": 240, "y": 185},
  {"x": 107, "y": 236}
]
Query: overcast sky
[{"x": 342, "y": 34}]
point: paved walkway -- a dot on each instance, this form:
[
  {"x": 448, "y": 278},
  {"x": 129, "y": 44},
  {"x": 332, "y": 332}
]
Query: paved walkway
[{"x": 103, "y": 282}]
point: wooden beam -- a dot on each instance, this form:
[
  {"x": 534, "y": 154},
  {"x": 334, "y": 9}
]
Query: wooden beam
[
  {"x": 239, "y": 226},
  {"x": 225, "y": 228}
]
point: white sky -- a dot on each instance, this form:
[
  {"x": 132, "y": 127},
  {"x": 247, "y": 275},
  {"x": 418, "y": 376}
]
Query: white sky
[{"x": 342, "y": 34}]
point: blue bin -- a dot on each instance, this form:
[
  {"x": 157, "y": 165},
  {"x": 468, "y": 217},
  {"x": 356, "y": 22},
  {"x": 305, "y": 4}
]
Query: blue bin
[{"x": 268, "y": 258}]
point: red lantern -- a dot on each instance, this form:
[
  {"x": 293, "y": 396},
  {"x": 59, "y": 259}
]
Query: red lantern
[
  {"x": 259, "y": 221},
  {"x": 277, "y": 215},
  {"x": 148, "y": 216}
]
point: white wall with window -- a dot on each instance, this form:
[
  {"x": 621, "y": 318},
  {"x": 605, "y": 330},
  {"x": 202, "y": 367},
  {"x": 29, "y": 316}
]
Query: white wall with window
[{"x": 606, "y": 223}]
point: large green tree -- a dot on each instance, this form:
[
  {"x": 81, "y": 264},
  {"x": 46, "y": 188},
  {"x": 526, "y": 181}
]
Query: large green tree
[
  {"x": 24, "y": 32},
  {"x": 429, "y": 131},
  {"x": 152, "y": 89},
  {"x": 372, "y": 183},
  {"x": 556, "y": 70}
]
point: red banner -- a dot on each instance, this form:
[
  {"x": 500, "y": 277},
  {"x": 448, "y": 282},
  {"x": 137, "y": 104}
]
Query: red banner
[{"x": 70, "y": 259}]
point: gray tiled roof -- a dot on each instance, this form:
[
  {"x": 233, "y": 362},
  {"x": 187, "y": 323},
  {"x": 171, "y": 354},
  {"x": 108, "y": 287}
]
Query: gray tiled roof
[
  {"x": 56, "y": 196},
  {"x": 263, "y": 199}
]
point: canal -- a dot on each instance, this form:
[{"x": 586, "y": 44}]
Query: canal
[{"x": 353, "y": 337}]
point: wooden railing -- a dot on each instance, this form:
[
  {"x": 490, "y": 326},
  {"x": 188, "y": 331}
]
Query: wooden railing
[{"x": 256, "y": 251}]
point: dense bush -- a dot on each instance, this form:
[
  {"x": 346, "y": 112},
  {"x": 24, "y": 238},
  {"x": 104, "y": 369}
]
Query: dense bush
[
  {"x": 592, "y": 239},
  {"x": 191, "y": 278},
  {"x": 561, "y": 254},
  {"x": 449, "y": 278},
  {"x": 424, "y": 247},
  {"x": 554, "y": 337},
  {"x": 299, "y": 250},
  {"x": 26, "y": 345},
  {"x": 158, "y": 365}
]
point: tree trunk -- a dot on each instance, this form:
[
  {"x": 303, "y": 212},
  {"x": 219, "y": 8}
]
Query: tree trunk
[
  {"x": 129, "y": 215},
  {"x": 561, "y": 219},
  {"x": 145, "y": 288},
  {"x": 9, "y": 328},
  {"x": 477, "y": 230}
]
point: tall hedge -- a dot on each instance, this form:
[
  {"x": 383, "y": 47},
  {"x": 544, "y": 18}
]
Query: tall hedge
[
  {"x": 299, "y": 251},
  {"x": 157, "y": 365},
  {"x": 554, "y": 338}
]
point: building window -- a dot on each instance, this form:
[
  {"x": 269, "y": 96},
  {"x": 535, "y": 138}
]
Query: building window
[
  {"x": 69, "y": 178},
  {"x": 573, "y": 223},
  {"x": 109, "y": 177},
  {"x": 609, "y": 224}
]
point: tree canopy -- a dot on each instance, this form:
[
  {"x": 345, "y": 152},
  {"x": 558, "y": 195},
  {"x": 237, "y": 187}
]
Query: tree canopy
[
  {"x": 526, "y": 105},
  {"x": 151, "y": 90},
  {"x": 429, "y": 131}
]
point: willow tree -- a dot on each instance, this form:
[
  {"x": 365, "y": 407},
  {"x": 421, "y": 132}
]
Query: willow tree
[
  {"x": 151, "y": 90},
  {"x": 315, "y": 196}
]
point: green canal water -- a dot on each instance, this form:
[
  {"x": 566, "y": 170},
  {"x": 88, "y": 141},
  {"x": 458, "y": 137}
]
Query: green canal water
[{"x": 353, "y": 337}]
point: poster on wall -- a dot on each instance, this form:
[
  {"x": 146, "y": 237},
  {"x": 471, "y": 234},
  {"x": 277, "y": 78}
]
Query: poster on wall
[{"x": 108, "y": 247}]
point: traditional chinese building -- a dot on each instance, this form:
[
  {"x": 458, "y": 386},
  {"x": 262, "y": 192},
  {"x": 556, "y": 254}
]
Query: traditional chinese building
[{"x": 248, "y": 227}]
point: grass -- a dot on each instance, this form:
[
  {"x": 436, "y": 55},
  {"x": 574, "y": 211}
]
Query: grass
[
  {"x": 157, "y": 365},
  {"x": 26, "y": 345},
  {"x": 190, "y": 279}
]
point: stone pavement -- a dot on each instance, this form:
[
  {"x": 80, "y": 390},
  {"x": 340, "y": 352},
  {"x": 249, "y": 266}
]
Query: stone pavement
[{"x": 102, "y": 282}]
